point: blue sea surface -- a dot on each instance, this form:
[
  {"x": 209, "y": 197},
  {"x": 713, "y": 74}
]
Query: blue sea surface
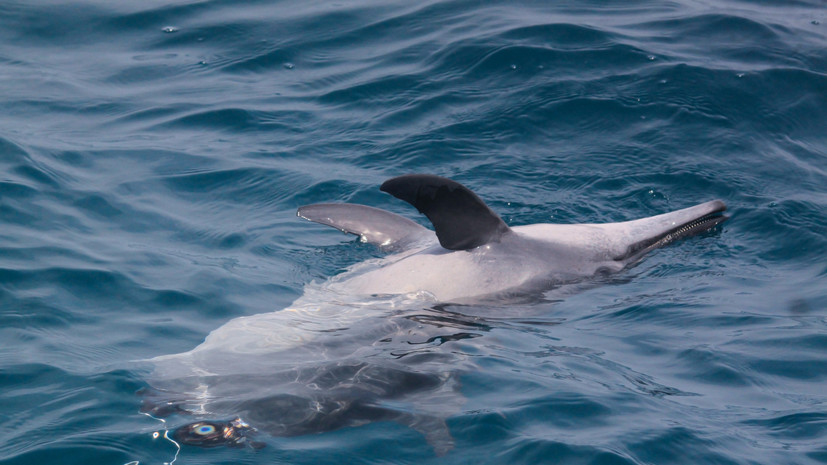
[{"x": 153, "y": 155}]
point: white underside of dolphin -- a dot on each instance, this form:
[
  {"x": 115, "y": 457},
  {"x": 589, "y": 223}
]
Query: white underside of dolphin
[{"x": 473, "y": 254}]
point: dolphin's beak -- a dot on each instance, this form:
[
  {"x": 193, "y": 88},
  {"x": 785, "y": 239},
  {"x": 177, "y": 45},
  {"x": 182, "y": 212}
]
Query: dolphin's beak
[{"x": 658, "y": 231}]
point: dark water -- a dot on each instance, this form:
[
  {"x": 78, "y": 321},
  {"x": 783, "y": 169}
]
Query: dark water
[{"x": 153, "y": 154}]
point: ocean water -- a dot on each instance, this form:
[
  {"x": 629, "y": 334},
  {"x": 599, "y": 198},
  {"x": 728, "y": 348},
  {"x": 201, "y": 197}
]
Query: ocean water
[{"x": 153, "y": 155}]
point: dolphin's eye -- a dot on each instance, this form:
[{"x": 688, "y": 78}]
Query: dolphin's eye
[{"x": 204, "y": 430}]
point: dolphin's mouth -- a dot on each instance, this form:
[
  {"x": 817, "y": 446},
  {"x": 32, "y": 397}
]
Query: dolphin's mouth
[{"x": 690, "y": 228}]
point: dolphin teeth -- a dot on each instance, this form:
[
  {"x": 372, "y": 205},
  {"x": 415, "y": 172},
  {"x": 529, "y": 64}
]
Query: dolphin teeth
[{"x": 696, "y": 226}]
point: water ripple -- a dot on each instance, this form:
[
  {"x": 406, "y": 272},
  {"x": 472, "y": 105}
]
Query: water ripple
[{"x": 152, "y": 156}]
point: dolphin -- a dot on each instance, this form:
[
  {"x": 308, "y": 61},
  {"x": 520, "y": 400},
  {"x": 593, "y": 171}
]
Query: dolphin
[
  {"x": 473, "y": 254},
  {"x": 365, "y": 346}
]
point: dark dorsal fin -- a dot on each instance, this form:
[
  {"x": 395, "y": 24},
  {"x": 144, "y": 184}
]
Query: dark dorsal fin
[{"x": 461, "y": 219}]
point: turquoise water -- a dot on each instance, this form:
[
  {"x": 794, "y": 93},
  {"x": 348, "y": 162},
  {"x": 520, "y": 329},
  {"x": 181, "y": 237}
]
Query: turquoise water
[{"x": 153, "y": 155}]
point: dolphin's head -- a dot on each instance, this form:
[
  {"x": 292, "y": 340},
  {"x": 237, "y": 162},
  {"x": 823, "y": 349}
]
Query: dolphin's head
[{"x": 651, "y": 233}]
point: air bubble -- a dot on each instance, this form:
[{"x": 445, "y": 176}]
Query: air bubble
[
  {"x": 289, "y": 66},
  {"x": 170, "y": 29}
]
